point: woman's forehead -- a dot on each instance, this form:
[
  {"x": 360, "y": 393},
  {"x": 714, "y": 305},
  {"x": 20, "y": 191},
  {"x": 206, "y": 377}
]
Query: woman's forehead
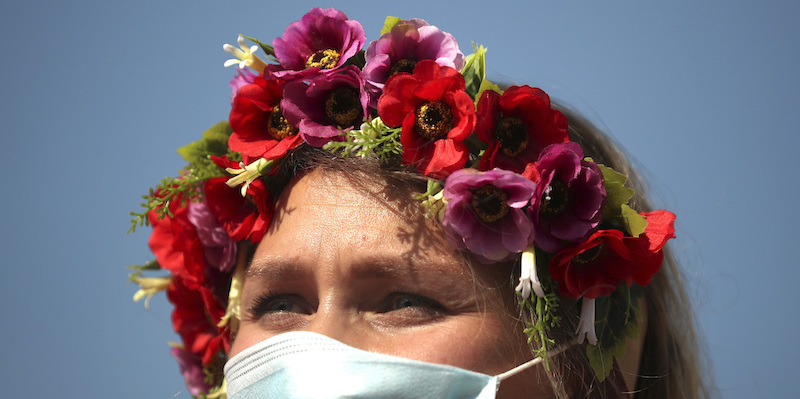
[
  {"x": 326, "y": 216},
  {"x": 344, "y": 187},
  {"x": 352, "y": 203}
]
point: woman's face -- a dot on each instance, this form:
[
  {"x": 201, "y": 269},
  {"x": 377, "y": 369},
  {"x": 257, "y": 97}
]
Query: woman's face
[{"x": 341, "y": 261}]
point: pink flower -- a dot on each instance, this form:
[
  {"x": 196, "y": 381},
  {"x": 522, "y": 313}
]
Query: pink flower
[
  {"x": 408, "y": 42},
  {"x": 191, "y": 367},
  {"x": 243, "y": 77},
  {"x": 568, "y": 201},
  {"x": 219, "y": 248},
  {"x": 485, "y": 213},
  {"x": 325, "y": 105},
  {"x": 324, "y": 39}
]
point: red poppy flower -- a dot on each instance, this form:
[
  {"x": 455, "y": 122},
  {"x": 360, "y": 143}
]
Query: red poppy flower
[
  {"x": 241, "y": 217},
  {"x": 518, "y": 125},
  {"x": 259, "y": 128},
  {"x": 436, "y": 115},
  {"x": 195, "y": 317},
  {"x": 176, "y": 245},
  {"x": 597, "y": 266}
]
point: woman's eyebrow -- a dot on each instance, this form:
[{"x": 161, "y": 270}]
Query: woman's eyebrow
[
  {"x": 394, "y": 268},
  {"x": 276, "y": 268}
]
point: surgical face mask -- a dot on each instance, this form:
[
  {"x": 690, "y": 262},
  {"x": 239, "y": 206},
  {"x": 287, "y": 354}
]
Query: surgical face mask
[{"x": 303, "y": 364}]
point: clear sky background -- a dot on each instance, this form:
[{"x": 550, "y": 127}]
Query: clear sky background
[{"x": 97, "y": 95}]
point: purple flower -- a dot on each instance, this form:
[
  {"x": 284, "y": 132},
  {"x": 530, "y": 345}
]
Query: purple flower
[
  {"x": 192, "y": 370},
  {"x": 399, "y": 51},
  {"x": 326, "y": 105},
  {"x": 243, "y": 77},
  {"x": 324, "y": 39},
  {"x": 219, "y": 248},
  {"x": 569, "y": 198},
  {"x": 485, "y": 213}
]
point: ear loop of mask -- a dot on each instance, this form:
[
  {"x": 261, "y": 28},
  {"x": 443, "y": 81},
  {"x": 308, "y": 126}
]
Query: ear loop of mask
[{"x": 533, "y": 362}]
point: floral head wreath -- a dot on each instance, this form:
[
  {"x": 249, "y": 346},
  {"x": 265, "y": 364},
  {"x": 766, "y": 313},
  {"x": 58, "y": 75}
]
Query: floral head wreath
[{"x": 496, "y": 162}]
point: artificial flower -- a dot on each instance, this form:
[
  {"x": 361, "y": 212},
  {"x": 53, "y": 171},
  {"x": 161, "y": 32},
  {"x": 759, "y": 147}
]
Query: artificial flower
[
  {"x": 176, "y": 245},
  {"x": 528, "y": 278},
  {"x": 219, "y": 248},
  {"x": 399, "y": 50},
  {"x": 323, "y": 40},
  {"x": 485, "y": 213},
  {"x": 191, "y": 367},
  {"x": 244, "y": 174},
  {"x": 607, "y": 258},
  {"x": 585, "y": 330},
  {"x": 568, "y": 201},
  {"x": 518, "y": 125},
  {"x": 660, "y": 229},
  {"x": 149, "y": 286},
  {"x": 326, "y": 105},
  {"x": 259, "y": 127},
  {"x": 197, "y": 311},
  {"x": 533, "y": 191},
  {"x": 436, "y": 115},
  {"x": 245, "y": 56},
  {"x": 241, "y": 217},
  {"x": 243, "y": 77},
  {"x": 232, "y": 314}
]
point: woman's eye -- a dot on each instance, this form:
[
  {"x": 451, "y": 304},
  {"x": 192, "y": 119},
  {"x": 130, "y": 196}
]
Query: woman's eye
[
  {"x": 403, "y": 309},
  {"x": 401, "y": 301},
  {"x": 407, "y": 302},
  {"x": 283, "y": 303}
]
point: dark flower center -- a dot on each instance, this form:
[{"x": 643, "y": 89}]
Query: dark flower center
[
  {"x": 433, "y": 120},
  {"x": 343, "y": 106},
  {"x": 324, "y": 59},
  {"x": 279, "y": 128},
  {"x": 589, "y": 254},
  {"x": 404, "y": 65},
  {"x": 555, "y": 199},
  {"x": 490, "y": 203},
  {"x": 512, "y": 135}
]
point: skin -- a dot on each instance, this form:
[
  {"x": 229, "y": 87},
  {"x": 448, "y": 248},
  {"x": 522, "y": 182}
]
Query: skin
[{"x": 350, "y": 261}]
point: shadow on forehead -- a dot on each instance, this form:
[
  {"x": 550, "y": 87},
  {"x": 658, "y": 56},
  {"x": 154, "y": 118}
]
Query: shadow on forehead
[{"x": 393, "y": 187}]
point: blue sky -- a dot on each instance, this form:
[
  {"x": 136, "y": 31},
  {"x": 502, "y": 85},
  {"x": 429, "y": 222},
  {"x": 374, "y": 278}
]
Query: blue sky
[{"x": 97, "y": 95}]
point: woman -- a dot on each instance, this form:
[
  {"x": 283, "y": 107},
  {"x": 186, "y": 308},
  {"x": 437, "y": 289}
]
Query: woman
[{"x": 398, "y": 226}]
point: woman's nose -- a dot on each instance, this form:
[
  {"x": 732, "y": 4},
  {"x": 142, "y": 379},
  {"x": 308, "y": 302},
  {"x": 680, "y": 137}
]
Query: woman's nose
[{"x": 339, "y": 324}]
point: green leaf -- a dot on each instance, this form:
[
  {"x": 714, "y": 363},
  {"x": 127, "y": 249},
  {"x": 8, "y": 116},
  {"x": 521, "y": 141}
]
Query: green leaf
[
  {"x": 475, "y": 70},
  {"x": 616, "y": 192},
  {"x": 486, "y": 85},
  {"x": 359, "y": 59},
  {"x": 545, "y": 311},
  {"x": 432, "y": 199},
  {"x": 388, "y": 24},
  {"x": 214, "y": 142},
  {"x": 634, "y": 222},
  {"x": 616, "y": 318},
  {"x": 149, "y": 265},
  {"x": 268, "y": 50},
  {"x": 373, "y": 139},
  {"x": 602, "y": 359}
]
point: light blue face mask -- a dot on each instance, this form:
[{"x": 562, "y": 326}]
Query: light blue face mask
[{"x": 303, "y": 364}]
